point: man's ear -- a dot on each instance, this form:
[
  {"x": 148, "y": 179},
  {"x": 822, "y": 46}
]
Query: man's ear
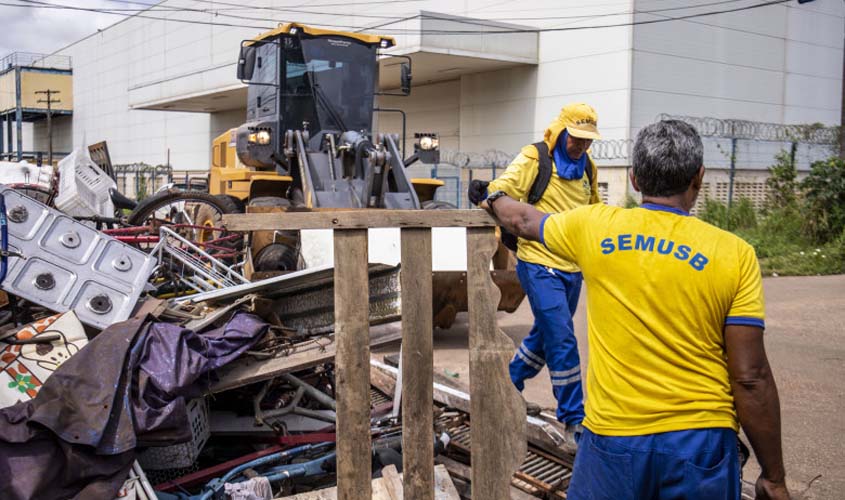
[
  {"x": 698, "y": 180},
  {"x": 633, "y": 180}
]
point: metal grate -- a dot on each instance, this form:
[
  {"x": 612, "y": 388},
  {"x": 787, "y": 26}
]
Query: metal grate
[
  {"x": 541, "y": 474},
  {"x": 378, "y": 398}
]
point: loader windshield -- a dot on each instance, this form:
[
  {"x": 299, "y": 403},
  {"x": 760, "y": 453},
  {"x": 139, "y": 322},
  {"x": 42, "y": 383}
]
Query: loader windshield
[{"x": 329, "y": 82}]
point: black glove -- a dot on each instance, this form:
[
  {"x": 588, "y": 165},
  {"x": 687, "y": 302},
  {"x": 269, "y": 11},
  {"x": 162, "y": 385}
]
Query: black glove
[{"x": 477, "y": 191}]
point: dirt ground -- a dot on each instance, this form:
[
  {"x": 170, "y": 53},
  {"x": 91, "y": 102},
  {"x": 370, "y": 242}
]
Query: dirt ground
[{"x": 805, "y": 341}]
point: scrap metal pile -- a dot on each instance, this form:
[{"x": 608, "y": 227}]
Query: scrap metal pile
[{"x": 137, "y": 359}]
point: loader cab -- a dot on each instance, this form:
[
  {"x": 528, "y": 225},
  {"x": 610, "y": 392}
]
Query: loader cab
[{"x": 302, "y": 78}]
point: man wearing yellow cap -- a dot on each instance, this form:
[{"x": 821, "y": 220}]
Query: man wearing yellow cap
[{"x": 551, "y": 282}]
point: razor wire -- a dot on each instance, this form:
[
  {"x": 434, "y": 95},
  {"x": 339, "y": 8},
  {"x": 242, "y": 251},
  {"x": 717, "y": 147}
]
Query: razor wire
[
  {"x": 815, "y": 133},
  {"x": 612, "y": 149}
]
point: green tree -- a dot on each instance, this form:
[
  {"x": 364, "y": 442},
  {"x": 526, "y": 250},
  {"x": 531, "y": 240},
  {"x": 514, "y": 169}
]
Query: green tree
[{"x": 824, "y": 199}]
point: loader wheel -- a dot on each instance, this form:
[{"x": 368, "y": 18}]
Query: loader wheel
[
  {"x": 278, "y": 256},
  {"x": 438, "y": 205},
  {"x": 237, "y": 205},
  {"x": 269, "y": 201}
]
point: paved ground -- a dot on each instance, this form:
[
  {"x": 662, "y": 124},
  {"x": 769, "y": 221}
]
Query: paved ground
[{"x": 805, "y": 340}]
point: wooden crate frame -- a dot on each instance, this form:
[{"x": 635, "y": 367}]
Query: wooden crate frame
[{"x": 497, "y": 408}]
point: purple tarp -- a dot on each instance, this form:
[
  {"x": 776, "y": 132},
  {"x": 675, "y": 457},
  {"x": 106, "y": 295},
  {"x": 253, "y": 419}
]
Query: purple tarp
[{"x": 126, "y": 388}]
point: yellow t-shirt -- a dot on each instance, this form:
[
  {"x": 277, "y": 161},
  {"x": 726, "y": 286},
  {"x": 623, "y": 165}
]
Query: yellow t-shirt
[
  {"x": 560, "y": 196},
  {"x": 661, "y": 286}
]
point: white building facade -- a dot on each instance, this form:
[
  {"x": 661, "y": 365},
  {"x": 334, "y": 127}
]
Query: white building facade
[{"x": 158, "y": 89}]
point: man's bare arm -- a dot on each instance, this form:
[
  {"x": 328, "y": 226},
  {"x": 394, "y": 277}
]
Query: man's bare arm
[
  {"x": 757, "y": 405},
  {"x": 520, "y": 219}
]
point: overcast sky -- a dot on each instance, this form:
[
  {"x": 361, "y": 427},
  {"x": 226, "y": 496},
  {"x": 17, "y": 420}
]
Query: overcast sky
[{"x": 27, "y": 29}]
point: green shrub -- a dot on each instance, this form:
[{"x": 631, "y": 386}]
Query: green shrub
[
  {"x": 741, "y": 216},
  {"x": 630, "y": 201},
  {"x": 779, "y": 239},
  {"x": 824, "y": 200}
]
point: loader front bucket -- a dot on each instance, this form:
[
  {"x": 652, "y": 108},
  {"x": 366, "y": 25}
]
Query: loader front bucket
[{"x": 449, "y": 294}]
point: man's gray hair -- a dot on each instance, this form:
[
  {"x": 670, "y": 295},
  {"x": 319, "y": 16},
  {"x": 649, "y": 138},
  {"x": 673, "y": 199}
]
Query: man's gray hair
[{"x": 667, "y": 156}]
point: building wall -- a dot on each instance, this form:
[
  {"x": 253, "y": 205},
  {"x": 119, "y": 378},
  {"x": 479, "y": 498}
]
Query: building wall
[
  {"x": 7, "y": 91},
  {"x": 429, "y": 108},
  {"x": 62, "y": 133},
  {"x": 225, "y": 120},
  {"x": 34, "y": 81},
  {"x": 780, "y": 64}
]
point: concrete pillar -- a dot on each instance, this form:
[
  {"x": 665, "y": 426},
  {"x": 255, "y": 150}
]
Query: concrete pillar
[{"x": 18, "y": 114}]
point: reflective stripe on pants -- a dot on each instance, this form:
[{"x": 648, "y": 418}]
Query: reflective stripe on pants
[{"x": 553, "y": 296}]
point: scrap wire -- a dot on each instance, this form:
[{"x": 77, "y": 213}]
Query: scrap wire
[{"x": 277, "y": 346}]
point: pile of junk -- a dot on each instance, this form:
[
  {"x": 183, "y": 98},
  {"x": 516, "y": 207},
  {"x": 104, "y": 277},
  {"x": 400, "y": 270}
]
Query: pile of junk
[{"x": 138, "y": 361}]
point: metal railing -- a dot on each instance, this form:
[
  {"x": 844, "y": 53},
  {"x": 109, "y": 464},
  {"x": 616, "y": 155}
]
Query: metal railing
[
  {"x": 34, "y": 60},
  {"x": 139, "y": 180}
]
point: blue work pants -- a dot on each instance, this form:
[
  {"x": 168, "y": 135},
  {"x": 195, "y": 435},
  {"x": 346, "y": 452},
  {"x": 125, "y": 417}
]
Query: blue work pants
[
  {"x": 553, "y": 295},
  {"x": 698, "y": 464}
]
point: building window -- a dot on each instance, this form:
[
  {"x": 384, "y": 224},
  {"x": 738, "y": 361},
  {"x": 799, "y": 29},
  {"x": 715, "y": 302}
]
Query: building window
[{"x": 603, "y": 192}]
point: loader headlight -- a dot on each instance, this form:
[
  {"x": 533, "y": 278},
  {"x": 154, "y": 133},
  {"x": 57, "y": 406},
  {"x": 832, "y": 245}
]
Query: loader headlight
[
  {"x": 428, "y": 143},
  {"x": 262, "y": 138}
]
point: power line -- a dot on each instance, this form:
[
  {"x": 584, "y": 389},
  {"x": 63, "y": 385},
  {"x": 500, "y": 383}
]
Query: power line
[
  {"x": 750, "y": 32},
  {"x": 221, "y": 11},
  {"x": 234, "y": 6},
  {"x": 633, "y": 23},
  {"x": 498, "y": 29}
]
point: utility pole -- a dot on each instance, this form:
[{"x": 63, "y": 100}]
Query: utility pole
[
  {"x": 49, "y": 101},
  {"x": 842, "y": 109}
]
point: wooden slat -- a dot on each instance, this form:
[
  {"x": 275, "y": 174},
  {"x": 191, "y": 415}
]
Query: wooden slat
[
  {"x": 351, "y": 296},
  {"x": 417, "y": 365},
  {"x": 393, "y": 482},
  {"x": 498, "y": 410},
  {"x": 358, "y": 219}
]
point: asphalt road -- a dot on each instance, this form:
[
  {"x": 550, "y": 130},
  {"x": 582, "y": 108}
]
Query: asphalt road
[{"x": 805, "y": 341}]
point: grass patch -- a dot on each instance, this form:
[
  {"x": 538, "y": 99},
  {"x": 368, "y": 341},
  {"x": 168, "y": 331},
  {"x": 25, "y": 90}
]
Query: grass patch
[{"x": 779, "y": 238}]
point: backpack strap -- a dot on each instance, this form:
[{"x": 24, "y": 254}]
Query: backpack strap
[{"x": 544, "y": 173}]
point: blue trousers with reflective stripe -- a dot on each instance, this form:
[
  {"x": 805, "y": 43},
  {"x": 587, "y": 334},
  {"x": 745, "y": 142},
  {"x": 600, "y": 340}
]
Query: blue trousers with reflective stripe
[
  {"x": 699, "y": 464},
  {"x": 553, "y": 296}
]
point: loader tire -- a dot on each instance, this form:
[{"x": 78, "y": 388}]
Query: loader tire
[
  {"x": 278, "y": 257},
  {"x": 236, "y": 204},
  {"x": 438, "y": 205},
  {"x": 269, "y": 201}
]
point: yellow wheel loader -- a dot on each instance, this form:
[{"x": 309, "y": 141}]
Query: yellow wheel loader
[{"x": 308, "y": 143}]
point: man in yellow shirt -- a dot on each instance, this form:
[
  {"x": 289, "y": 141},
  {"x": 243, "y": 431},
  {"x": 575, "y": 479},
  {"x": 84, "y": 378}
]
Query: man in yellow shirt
[
  {"x": 552, "y": 283},
  {"x": 675, "y": 328}
]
